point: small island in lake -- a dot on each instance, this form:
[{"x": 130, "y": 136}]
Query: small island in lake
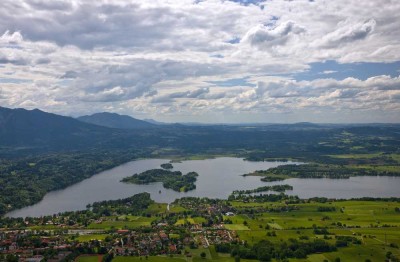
[
  {"x": 170, "y": 179},
  {"x": 268, "y": 176},
  {"x": 167, "y": 166},
  {"x": 275, "y": 188}
]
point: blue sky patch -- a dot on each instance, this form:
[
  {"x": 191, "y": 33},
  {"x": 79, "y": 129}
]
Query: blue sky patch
[
  {"x": 362, "y": 71},
  {"x": 271, "y": 22},
  {"x": 64, "y": 82},
  {"x": 248, "y": 2},
  {"x": 14, "y": 81},
  {"x": 217, "y": 56},
  {"x": 232, "y": 82},
  {"x": 235, "y": 40}
]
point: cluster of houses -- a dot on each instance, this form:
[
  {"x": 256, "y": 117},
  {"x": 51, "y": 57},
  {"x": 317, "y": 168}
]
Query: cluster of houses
[
  {"x": 220, "y": 236},
  {"x": 157, "y": 239},
  {"x": 28, "y": 246},
  {"x": 31, "y": 246},
  {"x": 134, "y": 243}
]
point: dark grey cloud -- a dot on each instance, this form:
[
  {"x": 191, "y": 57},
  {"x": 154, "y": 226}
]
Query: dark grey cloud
[
  {"x": 348, "y": 33},
  {"x": 124, "y": 82},
  {"x": 52, "y": 5},
  {"x": 103, "y": 25},
  {"x": 12, "y": 59},
  {"x": 42, "y": 60},
  {"x": 90, "y": 25},
  {"x": 70, "y": 74},
  {"x": 198, "y": 93},
  {"x": 346, "y": 93}
]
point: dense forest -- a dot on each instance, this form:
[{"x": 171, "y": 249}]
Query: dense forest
[
  {"x": 131, "y": 205},
  {"x": 25, "y": 181}
]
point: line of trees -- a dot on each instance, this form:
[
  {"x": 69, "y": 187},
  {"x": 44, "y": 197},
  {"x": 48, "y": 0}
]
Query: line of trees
[{"x": 266, "y": 250}]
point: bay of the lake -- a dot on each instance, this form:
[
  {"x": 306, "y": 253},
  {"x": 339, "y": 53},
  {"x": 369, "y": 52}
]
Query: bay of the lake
[{"x": 217, "y": 179}]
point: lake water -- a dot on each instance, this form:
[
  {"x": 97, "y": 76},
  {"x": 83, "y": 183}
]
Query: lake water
[{"x": 217, "y": 179}]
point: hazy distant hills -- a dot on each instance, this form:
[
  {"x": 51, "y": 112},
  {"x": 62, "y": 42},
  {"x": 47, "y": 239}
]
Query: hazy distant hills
[
  {"x": 114, "y": 120},
  {"x": 24, "y": 132},
  {"x": 20, "y": 127},
  {"x": 152, "y": 121}
]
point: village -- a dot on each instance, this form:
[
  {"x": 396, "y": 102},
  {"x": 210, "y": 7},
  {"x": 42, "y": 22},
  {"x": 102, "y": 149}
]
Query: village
[
  {"x": 34, "y": 246},
  {"x": 52, "y": 241},
  {"x": 193, "y": 229}
]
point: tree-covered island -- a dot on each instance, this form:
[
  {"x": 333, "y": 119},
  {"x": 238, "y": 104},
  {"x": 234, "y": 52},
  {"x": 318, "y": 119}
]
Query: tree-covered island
[
  {"x": 170, "y": 179},
  {"x": 274, "y": 188},
  {"x": 167, "y": 166}
]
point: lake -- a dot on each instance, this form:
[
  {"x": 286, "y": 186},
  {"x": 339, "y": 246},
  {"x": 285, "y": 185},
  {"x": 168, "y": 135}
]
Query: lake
[{"x": 217, "y": 179}]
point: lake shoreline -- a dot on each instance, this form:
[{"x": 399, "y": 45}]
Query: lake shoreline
[{"x": 218, "y": 178}]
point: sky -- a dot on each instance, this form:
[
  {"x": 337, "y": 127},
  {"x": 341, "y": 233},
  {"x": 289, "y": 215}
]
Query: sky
[{"x": 211, "y": 61}]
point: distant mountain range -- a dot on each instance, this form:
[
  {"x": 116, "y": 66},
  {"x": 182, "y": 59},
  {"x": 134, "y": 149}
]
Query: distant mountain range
[
  {"x": 24, "y": 132},
  {"x": 152, "y": 121},
  {"x": 28, "y": 132},
  {"x": 114, "y": 120},
  {"x": 21, "y": 127}
]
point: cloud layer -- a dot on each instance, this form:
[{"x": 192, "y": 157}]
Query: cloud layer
[{"x": 168, "y": 59}]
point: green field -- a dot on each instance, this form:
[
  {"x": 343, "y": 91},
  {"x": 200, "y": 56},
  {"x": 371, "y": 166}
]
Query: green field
[
  {"x": 211, "y": 255},
  {"x": 150, "y": 259},
  {"x": 375, "y": 223},
  {"x": 192, "y": 221},
  {"x": 384, "y": 168},
  {"x": 124, "y": 222},
  {"x": 236, "y": 227},
  {"x": 356, "y": 156},
  {"x": 88, "y": 258},
  {"x": 157, "y": 208},
  {"x": 86, "y": 238}
]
